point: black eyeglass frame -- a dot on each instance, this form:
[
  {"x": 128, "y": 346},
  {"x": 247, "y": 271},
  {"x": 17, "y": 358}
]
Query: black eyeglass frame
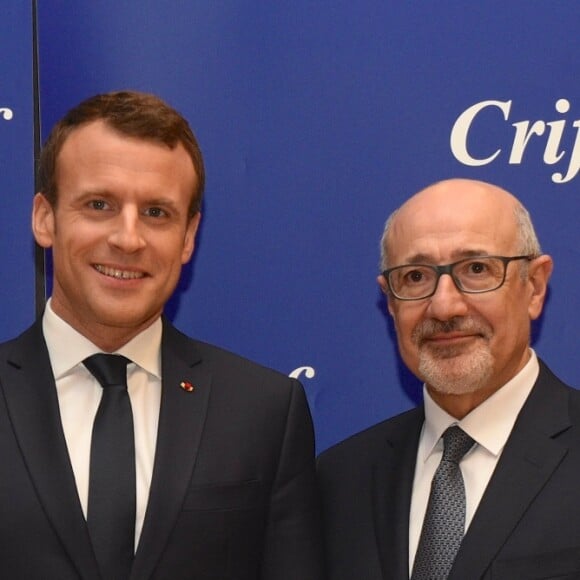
[{"x": 448, "y": 269}]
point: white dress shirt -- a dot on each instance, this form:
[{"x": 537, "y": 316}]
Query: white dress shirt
[
  {"x": 79, "y": 395},
  {"x": 489, "y": 425}
]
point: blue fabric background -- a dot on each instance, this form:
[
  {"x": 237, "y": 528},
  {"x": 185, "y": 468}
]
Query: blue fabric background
[{"x": 316, "y": 119}]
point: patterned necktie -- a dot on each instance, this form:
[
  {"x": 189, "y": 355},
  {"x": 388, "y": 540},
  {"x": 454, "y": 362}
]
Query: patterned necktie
[
  {"x": 111, "y": 507},
  {"x": 444, "y": 523}
]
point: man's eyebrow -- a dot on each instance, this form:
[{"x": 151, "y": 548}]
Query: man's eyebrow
[
  {"x": 165, "y": 201},
  {"x": 460, "y": 254},
  {"x": 422, "y": 258},
  {"x": 419, "y": 259},
  {"x": 95, "y": 193},
  {"x": 108, "y": 194}
]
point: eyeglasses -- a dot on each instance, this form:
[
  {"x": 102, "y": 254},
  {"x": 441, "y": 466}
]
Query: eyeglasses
[{"x": 471, "y": 275}]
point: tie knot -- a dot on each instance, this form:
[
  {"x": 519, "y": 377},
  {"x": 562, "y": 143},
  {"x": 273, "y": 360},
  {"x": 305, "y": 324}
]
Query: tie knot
[
  {"x": 456, "y": 443},
  {"x": 109, "y": 369}
]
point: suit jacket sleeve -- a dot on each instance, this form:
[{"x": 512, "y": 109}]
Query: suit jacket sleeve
[{"x": 293, "y": 545}]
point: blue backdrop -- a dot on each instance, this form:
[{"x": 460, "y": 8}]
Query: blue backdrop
[
  {"x": 317, "y": 119},
  {"x": 16, "y": 167}
]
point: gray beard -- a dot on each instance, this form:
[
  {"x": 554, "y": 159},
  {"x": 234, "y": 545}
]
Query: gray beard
[{"x": 450, "y": 372}]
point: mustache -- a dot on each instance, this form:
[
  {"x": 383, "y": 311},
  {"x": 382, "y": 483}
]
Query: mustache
[{"x": 468, "y": 325}]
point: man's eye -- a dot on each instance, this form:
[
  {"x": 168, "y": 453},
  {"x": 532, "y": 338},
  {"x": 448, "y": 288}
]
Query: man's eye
[
  {"x": 155, "y": 212},
  {"x": 477, "y": 267},
  {"x": 98, "y": 204},
  {"x": 414, "y": 276}
]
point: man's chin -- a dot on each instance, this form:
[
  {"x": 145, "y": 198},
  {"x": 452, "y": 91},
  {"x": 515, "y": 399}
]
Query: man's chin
[
  {"x": 458, "y": 374},
  {"x": 456, "y": 386}
]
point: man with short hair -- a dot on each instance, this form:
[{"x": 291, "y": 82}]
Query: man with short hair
[
  {"x": 481, "y": 481},
  {"x": 128, "y": 449}
]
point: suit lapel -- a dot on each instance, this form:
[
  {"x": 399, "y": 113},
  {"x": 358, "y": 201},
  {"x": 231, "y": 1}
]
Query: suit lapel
[
  {"x": 530, "y": 457},
  {"x": 30, "y": 392},
  {"x": 181, "y": 422},
  {"x": 393, "y": 476}
]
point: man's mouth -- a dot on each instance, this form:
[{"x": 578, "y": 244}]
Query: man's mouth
[
  {"x": 454, "y": 331},
  {"x": 118, "y": 274},
  {"x": 449, "y": 336}
]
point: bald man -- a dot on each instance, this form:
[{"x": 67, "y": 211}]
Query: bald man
[{"x": 464, "y": 276}]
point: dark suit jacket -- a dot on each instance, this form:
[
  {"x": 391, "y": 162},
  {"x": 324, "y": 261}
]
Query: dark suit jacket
[
  {"x": 233, "y": 491},
  {"x": 526, "y": 526}
]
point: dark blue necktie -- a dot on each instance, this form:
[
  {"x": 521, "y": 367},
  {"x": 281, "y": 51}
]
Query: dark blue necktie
[
  {"x": 111, "y": 506},
  {"x": 444, "y": 523}
]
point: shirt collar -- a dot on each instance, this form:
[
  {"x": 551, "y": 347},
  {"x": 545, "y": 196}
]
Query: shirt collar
[
  {"x": 67, "y": 347},
  {"x": 504, "y": 406}
]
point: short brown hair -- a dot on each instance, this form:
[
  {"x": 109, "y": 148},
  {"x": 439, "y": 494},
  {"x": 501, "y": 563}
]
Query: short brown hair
[{"x": 133, "y": 114}]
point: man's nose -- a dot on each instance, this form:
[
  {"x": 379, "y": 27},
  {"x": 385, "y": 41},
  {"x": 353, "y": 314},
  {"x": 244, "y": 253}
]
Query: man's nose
[
  {"x": 127, "y": 233},
  {"x": 448, "y": 301}
]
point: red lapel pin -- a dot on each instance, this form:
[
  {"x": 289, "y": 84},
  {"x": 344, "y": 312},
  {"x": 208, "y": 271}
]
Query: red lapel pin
[{"x": 186, "y": 386}]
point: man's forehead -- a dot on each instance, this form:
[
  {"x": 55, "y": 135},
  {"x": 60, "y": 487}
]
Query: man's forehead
[
  {"x": 451, "y": 242},
  {"x": 454, "y": 220}
]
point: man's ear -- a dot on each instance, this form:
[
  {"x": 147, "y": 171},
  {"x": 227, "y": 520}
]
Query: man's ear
[
  {"x": 385, "y": 289},
  {"x": 189, "y": 240},
  {"x": 539, "y": 272},
  {"x": 43, "y": 221}
]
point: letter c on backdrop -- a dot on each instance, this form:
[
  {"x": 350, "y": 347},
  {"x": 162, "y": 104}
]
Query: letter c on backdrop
[{"x": 461, "y": 127}]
